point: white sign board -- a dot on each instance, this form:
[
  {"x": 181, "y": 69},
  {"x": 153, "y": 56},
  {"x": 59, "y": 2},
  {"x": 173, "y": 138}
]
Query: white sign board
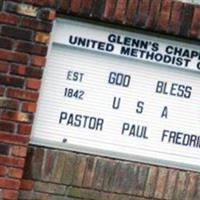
[{"x": 120, "y": 94}]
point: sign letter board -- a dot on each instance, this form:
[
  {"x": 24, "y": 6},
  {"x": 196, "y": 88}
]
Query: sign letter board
[{"x": 120, "y": 94}]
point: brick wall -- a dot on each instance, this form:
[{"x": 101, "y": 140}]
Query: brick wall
[
  {"x": 60, "y": 175},
  {"x": 25, "y": 28}
]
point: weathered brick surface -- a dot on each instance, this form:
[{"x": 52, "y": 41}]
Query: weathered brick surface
[
  {"x": 22, "y": 94},
  {"x": 89, "y": 172},
  {"x": 7, "y": 18},
  {"x": 9, "y": 183},
  {"x": 181, "y": 186},
  {"x": 175, "y": 22},
  {"x": 111, "y": 168},
  {"x": 187, "y": 15},
  {"x": 24, "y": 129},
  {"x": 17, "y": 116},
  {"x": 143, "y": 10},
  {"x": 6, "y": 43},
  {"x": 13, "y": 139},
  {"x": 86, "y": 7},
  {"x": 50, "y": 174},
  {"x": 48, "y": 165},
  {"x": 4, "y": 149},
  {"x": 4, "y": 66},
  {"x": 195, "y": 23},
  {"x": 24, "y": 71},
  {"x": 12, "y": 161},
  {"x": 109, "y": 10},
  {"x": 18, "y": 33},
  {"x": 9, "y": 104},
  {"x": 120, "y": 11},
  {"x": 131, "y": 11},
  {"x": 68, "y": 170},
  {"x": 151, "y": 182},
  {"x": 49, "y": 188},
  {"x": 34, "y": 164},
  {"x": 15, "y": 173},
  {"x": 99, "y": 173},
  {"x": 10, "y": 194},
  {"x": 26, "y": 184},
  {"x": 170, "y": 187},
  {"x": 79, "y": 168},
  {"x": 161, "y": 183},
  {"x": 192, "y": 186}
]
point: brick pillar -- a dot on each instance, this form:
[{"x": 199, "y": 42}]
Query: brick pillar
[{"x": 24, "y": 37}]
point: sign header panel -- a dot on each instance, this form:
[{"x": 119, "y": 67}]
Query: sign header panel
[
  {"x": 130, "y": 45},
  {"x": 110, "y": 105}
]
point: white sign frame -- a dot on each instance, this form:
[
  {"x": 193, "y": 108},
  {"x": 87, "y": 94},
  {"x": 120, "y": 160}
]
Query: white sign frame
[{"x": 99, "y": 152}]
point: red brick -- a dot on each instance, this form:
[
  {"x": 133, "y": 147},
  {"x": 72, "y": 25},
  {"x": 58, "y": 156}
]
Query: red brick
[
  {"x": 164, "y": 16},
  {"x": 12, "y": 161},
  {"x": 75, "y": 6},
  {"x": 2, "y": 90},
  {"x": 13, "y": 139},
  {"x": 15, "y": 173},
  {"x": 142, "y": 12},
  {"x": 7, "y": 126},
  {"x": 48, "y": 3},
  {"x": 42, "y": 37},
  {"x": 17, "y": 116},
  {"x": 175, "y": 20},
  {"x": 47, "y": 14},
  {"x": 131, "y": 11},
  {"x": 31, "y": 48},
  {"x": 24, "y": 129},
  {"x": 10, "y": 194},
  {"x": 154, "y": 13},
  {"x": 195, "y": 28},
  {"x": 16, "y": 32},
  {"x": 22, "y": 70},
  {"x": 3, "y": 170},
  {"x": 187, "y": 13},
  {"x": 19, "y": 151},
  {"x": 97, "y": 9},
  {"x": 26, "y": 184},
  {"x": 34, "y": 163},
  {"x": 13, "y": 56},
  {"x": 29, "y": 107},
  {"x": 22, "y": 94},
  {"x": 33, "y": 84},
  {"x": 86, "y": 7},
  {"x": 9, "y": 104},
  {"x": 37, "y": 25},
  {"x": 120, "y": 10},
  {"x": 7, "y": 18},
  {"x": 11, "y": 81},
  {"x": 4, "y": 149},
  {"x": 64, "y": 6},
  {"x": 6, "y": 43},
  {"x": 38, "y": 61},
  {"x": 4, "y": 67},
  {"x": 9, "y": 183},
  {"x": 109, "y": 9}
]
